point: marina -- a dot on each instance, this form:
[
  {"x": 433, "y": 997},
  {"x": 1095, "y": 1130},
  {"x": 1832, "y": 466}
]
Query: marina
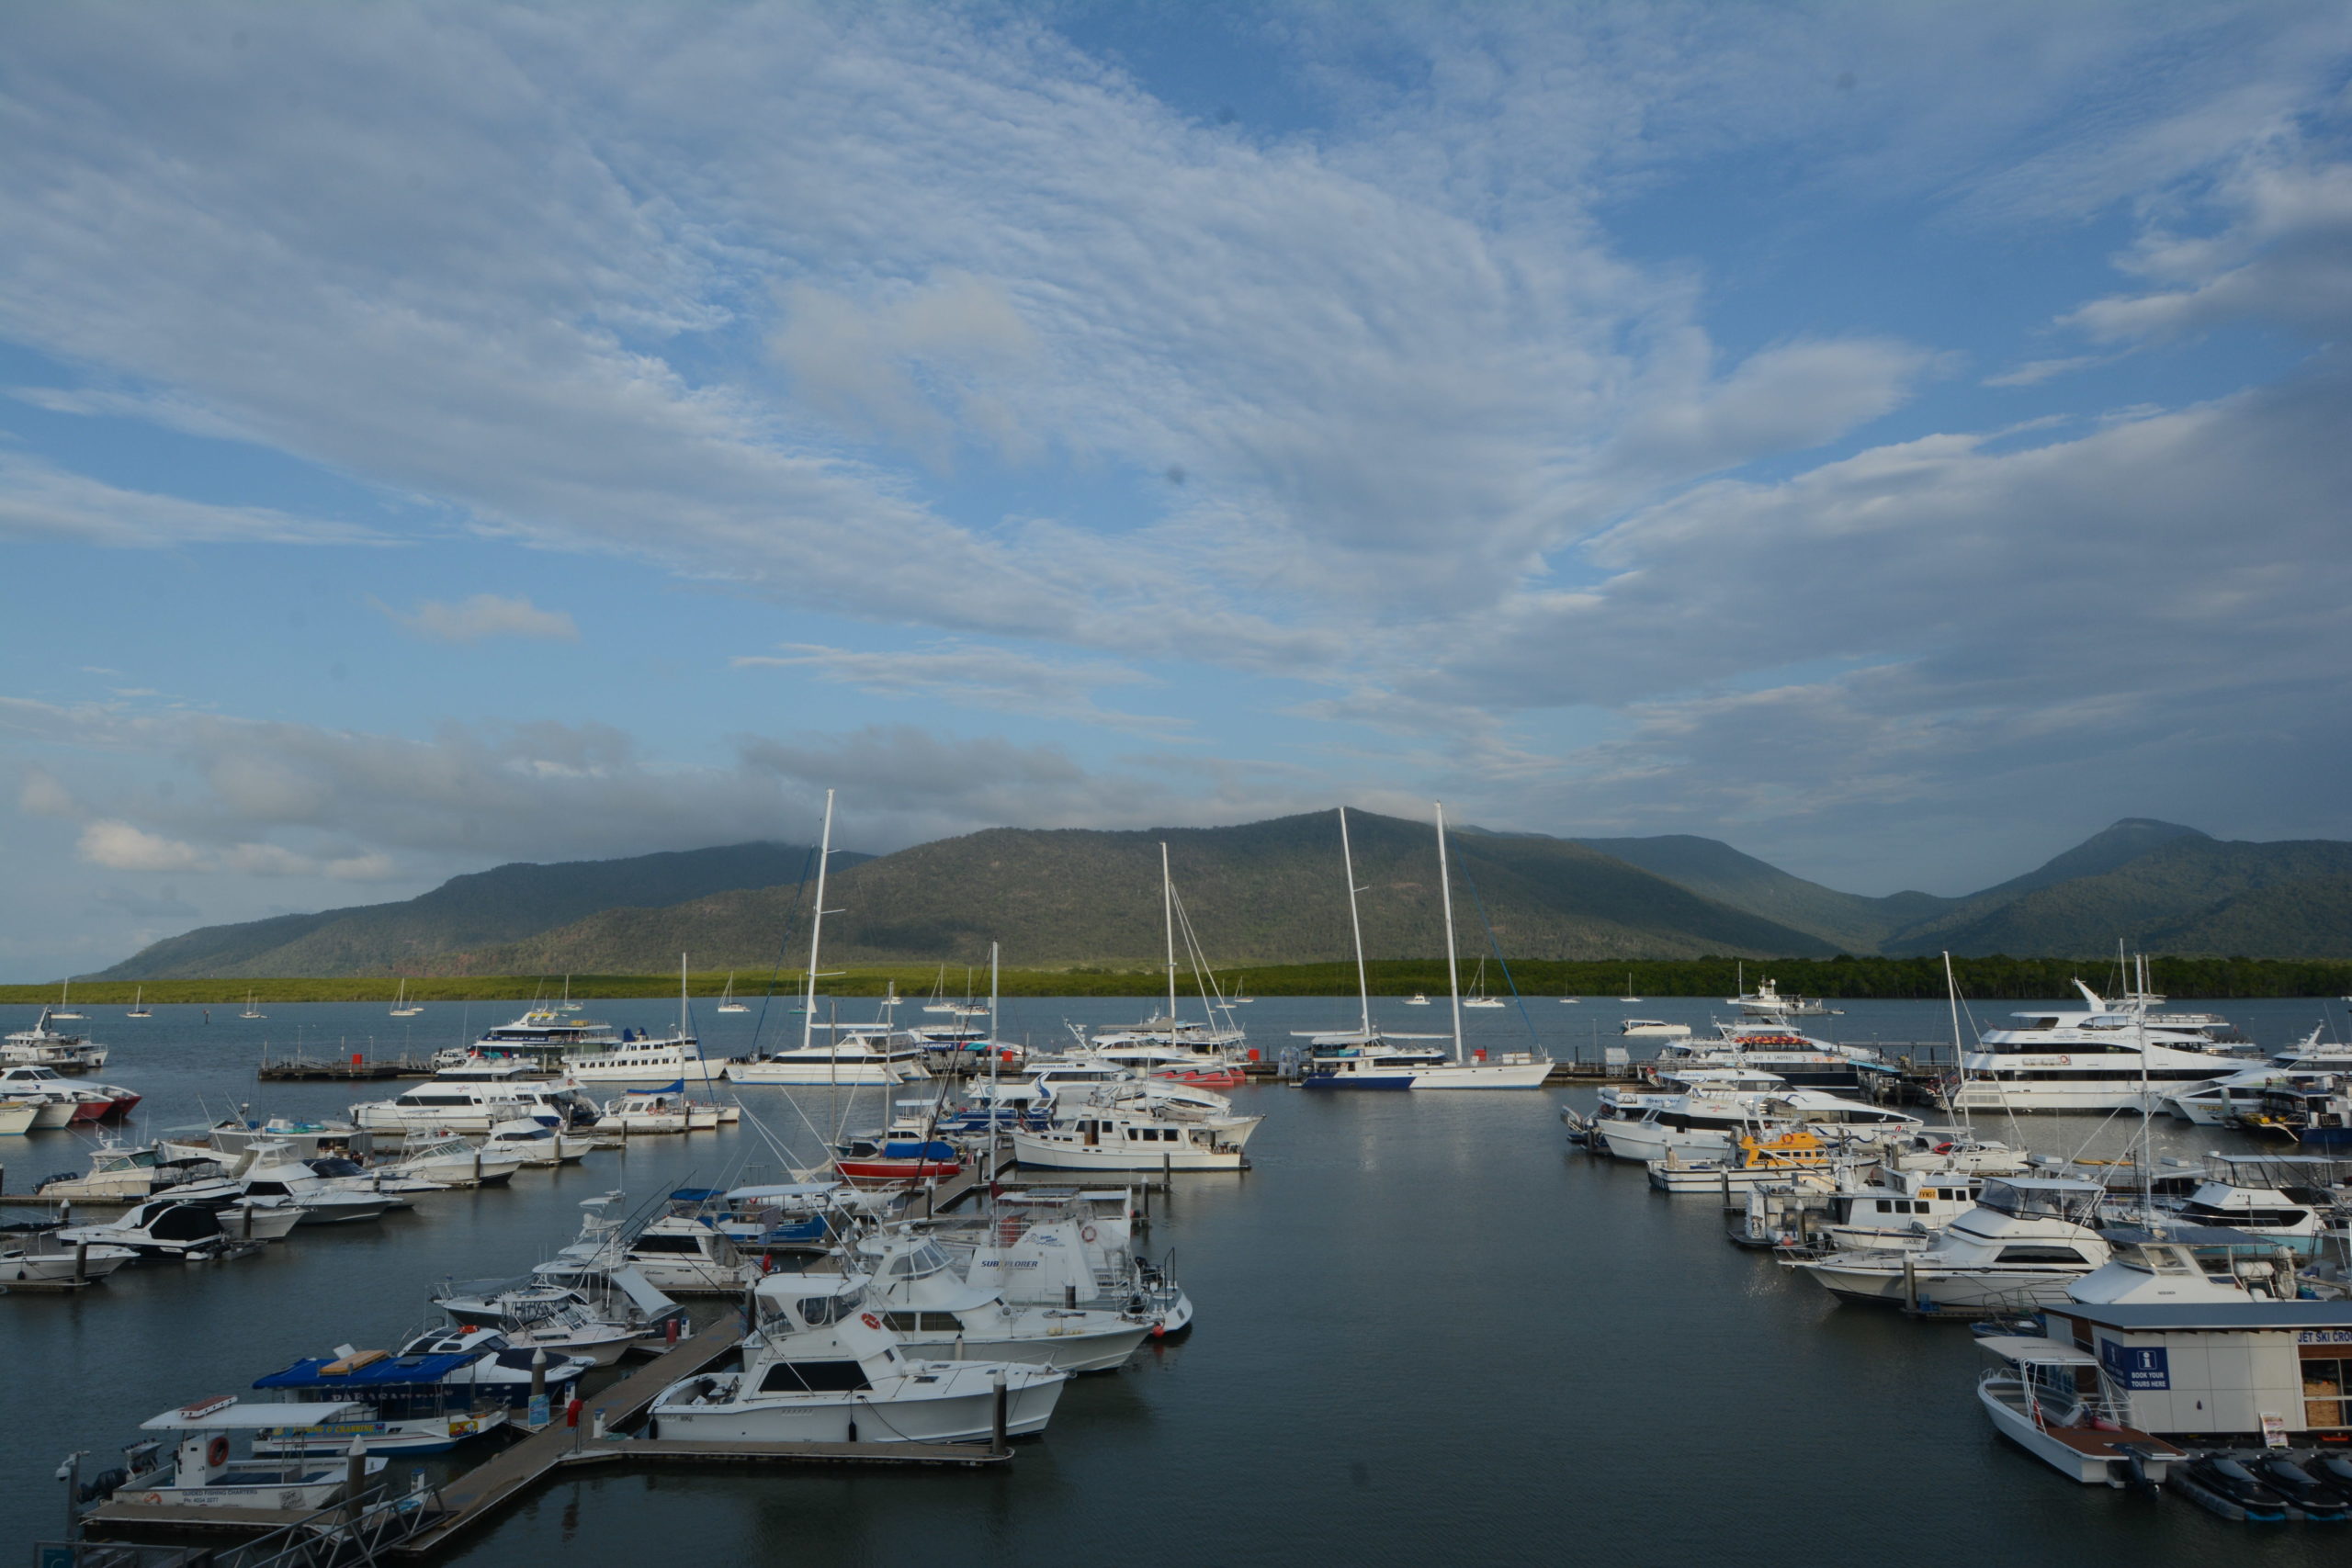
[{"x": 1263, "y": 1252}]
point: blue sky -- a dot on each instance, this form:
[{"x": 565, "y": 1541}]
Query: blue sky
[{"x": 1899, "y": 440}]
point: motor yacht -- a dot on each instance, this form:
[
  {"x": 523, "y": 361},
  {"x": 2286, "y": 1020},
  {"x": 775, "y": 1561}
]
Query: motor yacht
[
  {"x": 561, "y": 1319},
  {"x": 42, "y": 1046},
  {"x": 443, "y": 1105},
  {"x": 2240, "y": 1195},
  {"x": 2026, "y": 1240},
  {"x": 1065, "y": 1247},
  {"x": 1754, "y": 1160},
  {"x": 2093, "y": 1058},
  {"x": 1704, "y": 1124},
  {"x": 446, "y": 1159},
  {"x": 861, "y": 1057},
  {"x": 1799, "y": 1060},
  {"x": 1653, "y": 1028},
  {"x": 680, "y": 1255},
  {"x": 584, "y": 1051},
  {"x": 1115, "y": 1138},
  {"x": 1766, "y": 1002},
  {"x": 539, "y": 1143},
  {"x": 276, "y": 1181},
  {"x": 65, "y": 1103},
  {"x": 232, "y": 1135},
  {"x": 823, "y": 1366}
]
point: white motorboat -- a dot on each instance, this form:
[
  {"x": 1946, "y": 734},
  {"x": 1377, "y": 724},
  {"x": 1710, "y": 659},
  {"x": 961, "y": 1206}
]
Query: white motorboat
[
  {"x": 1704, "y": 1124},
  {"x": 1418, "y": 999},
  {"x": 447, "y": 1160},
  {"x": 680, "y": 1255},
  {"x": 2026, "y": 1240},
  {"x": 1656, "y": 1028},
  {"x": 1799, "y": 1060},
  {"x": 1756, "y": 1159},
  {"x": 1903, "y": 1211},
  {"x": 1063, "y": 1246},
  {"x": 123, "y": 1173},
  {"x": 276, "y": 1181},
  {"x": 233, "y": 1135},
  {"x": 553, "y": 1041},
  {"x": 1766, "y": 1002},
  {"x": 41, "y": 1260},
  {"x": 162, "y": 1229},
  {"x": 561, "y": 1319},
  {"x": 2240, "y": 1196},
  {"x": 935, "y": 1312},
  {"x": 2054, "y": 1400},
  {"x": 539, "y": 1143},
  {"x": 65, "y": 1103},
  {"x": 665, "y": 1109},
  {"x": 197, "y": 1471},
  {"x": 824, "y": 1368},
  {"x": 18, "y": 1115}
]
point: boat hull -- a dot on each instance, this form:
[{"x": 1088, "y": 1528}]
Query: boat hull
[
  {"x": 1068, "y": 1352},
  {"x": 817, "y": 1418},
  {"x": 1484, "y": 1075},
  {"x": 430, "y": 1436},
  {"x": 1050, "y": 1154},
  {"x": 1977, "y": 1290},
  {"x": 895, "y": 1172},
  {"x": 2088, "y": 1454},
  {"x": 812, "y": 1074}
]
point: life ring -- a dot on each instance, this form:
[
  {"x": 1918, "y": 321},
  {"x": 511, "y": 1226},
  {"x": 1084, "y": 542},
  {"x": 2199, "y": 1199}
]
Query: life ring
[
  {"x": 216, "y": 1453},
  {"x": 1086, "y": 1233},
  {"x": 1943, "y": 1148},
  {"x": 868, "y": 1319},
  {"x": 150, "y": 1497}
]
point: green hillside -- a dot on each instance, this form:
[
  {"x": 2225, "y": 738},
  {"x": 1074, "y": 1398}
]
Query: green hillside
[
  {"x": 2190, "y": 894},
  {"x": 420, "y": 935},
  {"x": 1713, "y": 869},
  {"x": 1263, "y": 893}
]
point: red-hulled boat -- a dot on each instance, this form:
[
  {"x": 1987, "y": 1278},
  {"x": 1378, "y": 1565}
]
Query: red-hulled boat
[{"x": 896, "y": 1161}]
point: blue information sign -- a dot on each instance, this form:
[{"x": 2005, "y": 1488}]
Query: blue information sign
[{"x": 2136, "y": 1367}]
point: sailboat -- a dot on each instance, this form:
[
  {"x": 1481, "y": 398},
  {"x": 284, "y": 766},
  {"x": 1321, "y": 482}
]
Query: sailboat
[
  {"x": 727, "y": 1002},
  {"x": 1242, "y": 996},
  {"x": 64, "y": 1001},
  {"x": 567, "y": 1005},
  {"x": 138, "y": 1004},
  {"x": 401, "y": 1006},
  {"x": 1504, "y": 1069},
  {"x": 252, "y": 1010},
  {"x": 1477, "y": 997},
  {"x": 1629, "y": 995},
  {"x": 939, "y": 1002}
]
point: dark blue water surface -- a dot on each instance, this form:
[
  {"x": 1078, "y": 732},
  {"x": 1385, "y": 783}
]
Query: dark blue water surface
[{"x": 1429, "y": 1332}]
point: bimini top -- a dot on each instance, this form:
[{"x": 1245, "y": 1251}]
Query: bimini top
[
  {"x": 2031, "y": 1349},
  {"x": 2228, "y": 1317},
  {"x": 391, "y": 1372},
  {"x": 228, "y": 1416}
]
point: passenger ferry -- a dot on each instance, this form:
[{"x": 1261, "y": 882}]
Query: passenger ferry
[{"x": 2094, "y": 1058}]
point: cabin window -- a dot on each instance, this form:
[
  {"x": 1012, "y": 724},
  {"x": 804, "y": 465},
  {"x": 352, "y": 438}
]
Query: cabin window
[
  {"x": 667, "y": 1243},
  {"x": 2040, "y": 1254},
  {"x": 814, "y": 1377}
]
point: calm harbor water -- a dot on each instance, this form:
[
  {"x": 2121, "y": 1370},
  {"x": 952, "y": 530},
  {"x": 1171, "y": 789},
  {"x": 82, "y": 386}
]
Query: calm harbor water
[{"x": 1429, "y": 1331}]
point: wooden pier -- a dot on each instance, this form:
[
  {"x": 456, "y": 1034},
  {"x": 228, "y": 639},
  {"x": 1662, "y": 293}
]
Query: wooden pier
[{"x": 311, "y": 1069}]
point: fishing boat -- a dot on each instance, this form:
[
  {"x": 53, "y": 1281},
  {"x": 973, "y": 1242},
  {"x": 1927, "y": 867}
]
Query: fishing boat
[
  {"x": 197, "y": 1471},
  {"x": 679, "y": 1254},
  {"x": 2026, "y": 1240},
  {"x": 727, "y": 1002},
  {"x": 401, "y": 1006},
  {"x": 821, "y": 1366},
  {"x": 276, "y": 1181},
  {"x": 935, "y": 1312},
  {"x": 125, "y": 1173},
  {"x": 446, "y": 1159},
  {"x": 139, "y": 1004}
]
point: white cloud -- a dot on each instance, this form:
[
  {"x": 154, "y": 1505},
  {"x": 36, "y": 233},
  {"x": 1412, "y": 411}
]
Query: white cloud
[
  {"x": 120, "y": 846},
  {"x": 483, "y": 616},
  {"x": 43, "y": 795}
]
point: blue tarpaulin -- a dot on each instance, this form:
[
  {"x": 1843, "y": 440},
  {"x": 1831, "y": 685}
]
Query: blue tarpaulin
[{"x": 391, "y": 1372}]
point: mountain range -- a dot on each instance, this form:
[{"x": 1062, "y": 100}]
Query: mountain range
[{"x": 1271, "y": 893}]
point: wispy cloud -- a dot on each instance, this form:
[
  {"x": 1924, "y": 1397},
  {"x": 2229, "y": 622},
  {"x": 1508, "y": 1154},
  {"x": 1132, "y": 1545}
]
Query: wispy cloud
[
  {"x": 968, "y": 675},
  {"x": 37, "y": 500},
  {"x": 483, "y": 616}
]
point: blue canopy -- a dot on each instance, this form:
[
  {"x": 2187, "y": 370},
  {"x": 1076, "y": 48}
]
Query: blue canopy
[{"x": 391, "y": 1372}]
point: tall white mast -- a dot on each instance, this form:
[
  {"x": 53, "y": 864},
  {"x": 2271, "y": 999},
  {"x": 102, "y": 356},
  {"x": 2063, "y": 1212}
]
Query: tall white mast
[
  {"x": 1452, "y": 969},
  {"x": 681, "y": 996},
  {"x": 817, "y": 925},
  {"x": 1959, "y": 1055},
  {"x": 1168, "y": 908},
  {"x": 1364, "y": 983}
]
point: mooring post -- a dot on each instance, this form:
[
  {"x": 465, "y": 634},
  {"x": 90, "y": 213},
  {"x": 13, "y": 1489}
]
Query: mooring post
[
  {"x": 1000, "y": 1446},
  {"x": 70, "y": 1472},
  {"x": 354, "y": 1477},
  {"x": 82, "y": 1262}
]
